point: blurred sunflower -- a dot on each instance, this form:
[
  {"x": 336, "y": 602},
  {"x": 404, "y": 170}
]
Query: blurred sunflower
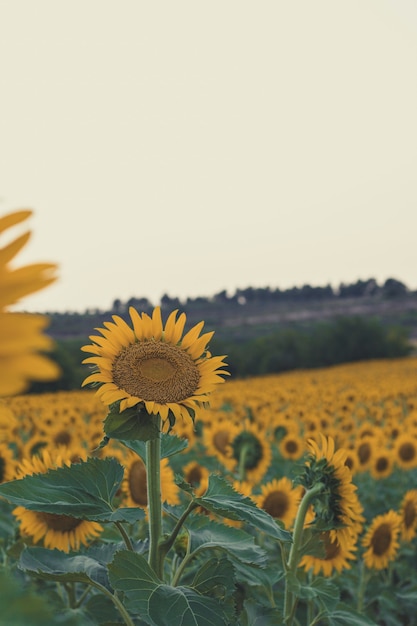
[
  {"x": 197, "y": 476},
  {"x": 154, "y": 364},
  {"x": 62, "y": 532},
  {"x": 381, "y": 540},
  {"x": 21, "y": 334},
  {"x": 291, "y": 446},
  {"x": 382, "y": 464},
  {"x": 335, "y": 557},
  {"x": 134, "y": 485},
  {"x": 408, "y": 514},
  {"x": 280, "y": 499},
  {"x": 251, "y": 453},
  {"x": 405, "y": 451}
]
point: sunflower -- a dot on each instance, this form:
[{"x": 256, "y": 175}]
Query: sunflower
[
  {"x": 62, "y": 532},
  {"x": 197, "y": 476},
  {"x": 405, "y": 451},
  {"x": 337, "y": 505},
  {"x": 280, "y": 499},
  {"x": 408, "y": 514},
  {"x": 291, "y": 446},
  {"x": 381, "y": 464},
  {"x": 155, "y": 365},
  {"x": 335, "y": 558},
  {"x": 21, "y": 334},
  {"x": 381, "y": 540},
  {"x": 134, "y": 484},
  {"x": 250, "y": 452}
]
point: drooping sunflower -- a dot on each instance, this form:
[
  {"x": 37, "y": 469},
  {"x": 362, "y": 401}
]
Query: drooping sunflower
[
  {"x": 408, "y": 514},
  {"x": 62, "y": 532},
  {"x": 154, "y": 364},
  {"x": 337, "y": 506},
  {"x": 21, "y": 334},
  {"x": 381, "y": 540},
  {"x": 280, "y": 499},
  {"x": 134, "y": 484}
]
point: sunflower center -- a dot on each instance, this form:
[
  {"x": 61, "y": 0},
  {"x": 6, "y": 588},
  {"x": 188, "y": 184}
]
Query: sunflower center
[
  {"x": 381, "y": 539},
  {"x": 61, "y": 523},
  {"x": 276, "y": 504},
  {"x": 364, "y": 453},
  {"x": 156, "y": 371},
  {"x": 221, "y": 441},
  {"x": 194, "y": 476},
  {"x": 291, "y": 446},
  {"x": 137, "y": 483},
  {"x": 63, "y": 437},
  {"x": 407, "y": 452},
  {"x": 382, "y": 464}
]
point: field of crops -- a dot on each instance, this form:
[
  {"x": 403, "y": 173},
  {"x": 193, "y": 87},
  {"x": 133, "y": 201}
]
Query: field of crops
[{"x": 255, "y": 436}]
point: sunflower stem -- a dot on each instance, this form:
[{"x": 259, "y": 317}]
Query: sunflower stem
[
  {"x": 242, "y": 461},
  {"x": 153, "y": 478},
  {"x": 294, "y": 557}
]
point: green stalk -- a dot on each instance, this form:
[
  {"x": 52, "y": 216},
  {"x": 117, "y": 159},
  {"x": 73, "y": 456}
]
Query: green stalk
[
  {"x": 294, "y": 557},
  {"x": 117, "y": 603},
  {"x": 153, "y": 478},
  {"x": 242, "y": 462}
]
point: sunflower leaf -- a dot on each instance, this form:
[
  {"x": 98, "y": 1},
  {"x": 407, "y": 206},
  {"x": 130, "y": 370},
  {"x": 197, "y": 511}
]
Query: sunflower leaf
[
  {"x": 221, "y": 499},
  {"x": 132, "y": 424},
  {"x": 56, "y": 565},
  {"x": 170, "y": 444},
  {"x": 83, "y": 490},
  {"x": 159, "y": 604},
  {"x": 207, "y": 534}
]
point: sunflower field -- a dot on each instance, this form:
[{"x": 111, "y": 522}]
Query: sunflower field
[
  {"x": 166, "y": 493},
  {"x": 255, "y": 439}
]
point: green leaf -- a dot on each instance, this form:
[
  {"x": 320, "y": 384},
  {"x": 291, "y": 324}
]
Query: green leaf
[
  {"x": 215, "y": 578},
  {"x": 322, "y": 589},
  {"x": 170, "y": 445},
  {"x": 158, "y": 603},
  {"x": 56, "y": 565},
  {"x": 221, "y": 499},
  {"x": 345, "y": 616},
  {"x": 205, "y": 534},
  {"x": 131, "y": 425},
  {"x": 83, "y": 490}
]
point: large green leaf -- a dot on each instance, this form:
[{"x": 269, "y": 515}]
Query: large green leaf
[
  {"x": 160, "y": 604},
  {"x": 170, "y": 444},
  {"x": 207, "y": 534},
  {"x": 131, "y": 425},
  {"x": 345, "y": 616},
  {"x": 56, "y": 565},
  {"x": 215, "y": 578},
  {"x": 221, "y": 499},
  {"x": 323, "y": 590},
  {"x": 84, "y": 490}
]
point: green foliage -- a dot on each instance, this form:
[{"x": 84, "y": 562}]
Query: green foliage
[
  {"x": 83, "y": 490},
  {"x": 131, "y": 424}
]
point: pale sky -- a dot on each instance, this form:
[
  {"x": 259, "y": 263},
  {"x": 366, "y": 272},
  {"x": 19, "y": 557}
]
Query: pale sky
[{"x": 190, "y": 147}]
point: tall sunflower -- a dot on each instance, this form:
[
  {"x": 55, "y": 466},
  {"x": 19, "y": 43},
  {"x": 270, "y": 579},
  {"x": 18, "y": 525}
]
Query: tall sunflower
[
  {"x": 21, "y": 334},
  {"x": 154, "y": 364},
  {"x": 62, "y": 532},
  {"x": 381, "y": 540}
]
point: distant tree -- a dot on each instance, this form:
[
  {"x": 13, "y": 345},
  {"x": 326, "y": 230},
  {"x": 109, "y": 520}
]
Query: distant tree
[
  {"x": 170, "y": 303},
  {"x": 393, "y": 288}
]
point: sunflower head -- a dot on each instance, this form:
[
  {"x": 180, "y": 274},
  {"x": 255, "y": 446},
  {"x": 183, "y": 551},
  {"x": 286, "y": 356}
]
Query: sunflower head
[{"x": 154, "y": 367}]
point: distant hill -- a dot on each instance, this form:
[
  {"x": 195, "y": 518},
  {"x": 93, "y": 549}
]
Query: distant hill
[{"x": 254, "y": 312}]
